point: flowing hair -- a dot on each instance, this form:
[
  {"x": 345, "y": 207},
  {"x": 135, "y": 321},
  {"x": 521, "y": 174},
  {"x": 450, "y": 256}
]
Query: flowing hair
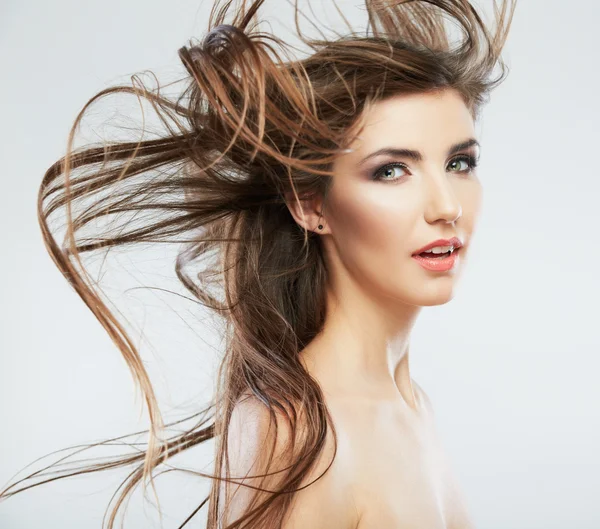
[{"x": 255, "y": 129}]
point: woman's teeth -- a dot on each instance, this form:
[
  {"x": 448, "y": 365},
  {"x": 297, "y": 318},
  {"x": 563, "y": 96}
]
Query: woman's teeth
[
  {"x": 439, "y": 252},
  {"x": 430, "y": 255}
]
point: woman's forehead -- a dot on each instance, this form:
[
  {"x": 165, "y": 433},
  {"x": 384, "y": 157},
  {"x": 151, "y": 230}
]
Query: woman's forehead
[{"x": 428, "y": 122}]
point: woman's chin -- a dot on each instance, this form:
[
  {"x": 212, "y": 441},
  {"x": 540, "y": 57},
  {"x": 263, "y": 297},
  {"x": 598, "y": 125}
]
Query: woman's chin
[
  {"x": 436, "y": 299},
  {"x": 429, "y": 292}
]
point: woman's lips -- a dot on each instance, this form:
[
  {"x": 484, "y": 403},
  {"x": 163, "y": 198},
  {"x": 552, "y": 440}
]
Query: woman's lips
[{"x": 437, "y": 264}]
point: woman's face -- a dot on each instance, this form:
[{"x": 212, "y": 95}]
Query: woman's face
[{"x": 383, "y": 207}]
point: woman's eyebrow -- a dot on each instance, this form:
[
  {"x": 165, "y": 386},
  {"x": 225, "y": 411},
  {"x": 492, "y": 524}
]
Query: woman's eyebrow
[{"x": 416, "y": 155}]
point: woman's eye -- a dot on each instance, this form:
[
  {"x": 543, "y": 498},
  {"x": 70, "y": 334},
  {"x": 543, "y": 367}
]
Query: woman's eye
[
  {"x": 389, "y": 172},
  {"x": 393, "y": 171},
  {"x": 470, "y": 162}
]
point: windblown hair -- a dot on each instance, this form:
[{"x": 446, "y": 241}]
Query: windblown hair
[{"x": 254, "y": 130}]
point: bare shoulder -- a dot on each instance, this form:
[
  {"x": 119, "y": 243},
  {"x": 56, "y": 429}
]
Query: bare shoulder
[
  {"x": 457, "y": 516},
  {"x": 259, "y": 442},
  {"x": 422, "y": 397}
]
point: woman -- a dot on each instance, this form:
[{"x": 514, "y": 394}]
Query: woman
[{"x": 324, "y": 201}]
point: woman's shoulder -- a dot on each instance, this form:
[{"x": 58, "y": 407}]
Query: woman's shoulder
[
  {"x": 258, "y": 435},
  {"x": 423, "y": 401}
]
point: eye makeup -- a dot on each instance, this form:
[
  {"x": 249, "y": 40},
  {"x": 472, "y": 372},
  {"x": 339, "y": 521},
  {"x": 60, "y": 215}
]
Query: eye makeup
[{"x": 471, "y": 160}]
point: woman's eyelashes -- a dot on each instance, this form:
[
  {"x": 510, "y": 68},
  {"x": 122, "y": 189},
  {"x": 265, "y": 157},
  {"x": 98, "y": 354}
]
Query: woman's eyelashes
[{"x": 386, "y": 172}]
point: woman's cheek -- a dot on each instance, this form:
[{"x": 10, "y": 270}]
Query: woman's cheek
[{"x": 373, "y": 237}]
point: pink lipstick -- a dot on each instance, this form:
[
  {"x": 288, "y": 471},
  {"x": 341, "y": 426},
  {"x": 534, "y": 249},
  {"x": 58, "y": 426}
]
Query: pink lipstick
[{"x": 439, "y": 262}]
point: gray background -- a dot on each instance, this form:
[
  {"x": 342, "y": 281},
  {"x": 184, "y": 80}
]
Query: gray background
[{"x": 511, "y": 364}]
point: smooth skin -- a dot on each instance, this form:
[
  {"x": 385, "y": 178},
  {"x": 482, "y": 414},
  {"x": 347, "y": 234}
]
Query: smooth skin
[{"x": 390, "y": 470}]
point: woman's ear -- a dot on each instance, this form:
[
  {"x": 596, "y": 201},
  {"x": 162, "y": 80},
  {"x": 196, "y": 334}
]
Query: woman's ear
[{"x": 306, "y": 212}]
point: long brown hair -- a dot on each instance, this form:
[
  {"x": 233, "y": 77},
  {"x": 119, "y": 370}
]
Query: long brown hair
[{"x": 254, "y": 129}]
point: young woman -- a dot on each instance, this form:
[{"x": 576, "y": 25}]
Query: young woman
[{"x": 325, "y": 200}]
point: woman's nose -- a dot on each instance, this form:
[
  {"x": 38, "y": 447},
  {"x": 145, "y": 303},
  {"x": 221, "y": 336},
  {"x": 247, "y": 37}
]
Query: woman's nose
[{"x": 441, "y": 200}]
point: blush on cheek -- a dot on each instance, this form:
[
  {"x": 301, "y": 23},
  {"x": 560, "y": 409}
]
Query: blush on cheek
[{"x": 373, "y": 235}]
